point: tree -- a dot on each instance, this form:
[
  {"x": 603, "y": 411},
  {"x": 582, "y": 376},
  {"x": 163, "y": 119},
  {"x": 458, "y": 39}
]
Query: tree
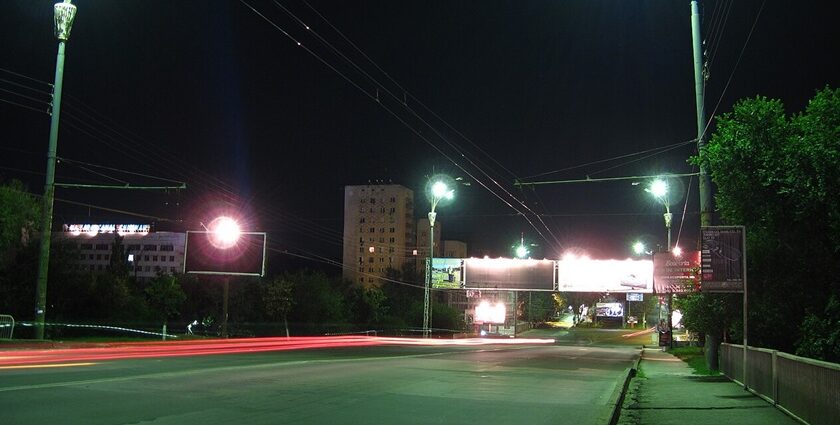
[
  {"x": 821, "y": 333},
  {"x": 277, "y": 297},
  {"x": 779, "y": 176},
  {"x": 19, "y": 214},
  {"x": 164, "y": 296}
]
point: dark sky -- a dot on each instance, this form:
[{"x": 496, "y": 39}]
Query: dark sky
[{"x": 210, "y": 93}]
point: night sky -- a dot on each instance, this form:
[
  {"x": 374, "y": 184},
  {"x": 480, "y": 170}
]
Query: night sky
[{"x": 210, "y": 93}]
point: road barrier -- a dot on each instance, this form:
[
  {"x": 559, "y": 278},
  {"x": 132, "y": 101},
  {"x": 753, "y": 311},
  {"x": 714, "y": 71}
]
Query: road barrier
[
  {"x": 7, "y": 326},
  {"x": 804, "y": 388}
]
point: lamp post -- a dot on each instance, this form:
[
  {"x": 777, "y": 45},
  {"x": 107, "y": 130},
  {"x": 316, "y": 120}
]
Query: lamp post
[
  {"x": 439, "y": 191},
  {"x": 225, "y": 234},
  {"x": 659, "y": 189},
  {"x": 64, "y": 13}
]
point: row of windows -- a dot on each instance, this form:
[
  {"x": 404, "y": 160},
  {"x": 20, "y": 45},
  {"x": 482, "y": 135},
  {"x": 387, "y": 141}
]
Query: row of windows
[
  {"x": 129, "y": 248},
  {"x": 381, "y": 229},
  {"x": 101, "y": 267},
  {"x": 372, "y": 259},
  {"x": 372, "y": 249},
  {"x": 373, "y": 200},
  {"x": 106, "y": 257}
]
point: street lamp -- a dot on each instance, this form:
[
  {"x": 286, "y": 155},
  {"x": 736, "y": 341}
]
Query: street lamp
[
  {"x": 63, "y": 13},
  {"x": 224, "y": 234},
  {"x": 659, "y": 189},
  {"x": 438, "y": 191}
]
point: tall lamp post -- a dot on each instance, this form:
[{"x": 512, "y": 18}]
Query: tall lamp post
[
  {"x": 659, "y": 189},
  {"x": 225, "y": 233},
  {"x": 64, "y": 13},
  {"x": 438, "y": 192}
]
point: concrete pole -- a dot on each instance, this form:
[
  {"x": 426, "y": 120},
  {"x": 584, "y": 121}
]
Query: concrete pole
[
  {"x": 64, "y": 13},
  {"x": 427, "y": 308},
  {"x": 225, "y": 297},
  {"x": 706, "y": 205}
]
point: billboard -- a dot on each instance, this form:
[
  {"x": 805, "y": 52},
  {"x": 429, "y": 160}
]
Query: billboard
[
  {"x": 722, "y": 257},
  {"x": 587, "y": 275},
  {"x": 635, "y": 296},
  {"x": 676, "y": 274},
  {"x": 244, "y": 257},
  {"x": 447, "y": 273},
  {"x": 509, "y": 274},
  {"x": 609, "y": 310}
]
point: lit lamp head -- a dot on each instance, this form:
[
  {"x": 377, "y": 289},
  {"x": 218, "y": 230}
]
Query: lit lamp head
[
  {"x": 441, "y": 191},
  {"x": 224, "y": 232},
  {"x": 521, "y": 251},
  {"x": 677, "y": 251},
  {"x": 658, "y": 188},
  {"x": 639, "y": 248}
]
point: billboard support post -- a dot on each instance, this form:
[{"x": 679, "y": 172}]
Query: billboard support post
[
  {"x": 225, "y": 298},
  {"x": 744, "y": 265}
]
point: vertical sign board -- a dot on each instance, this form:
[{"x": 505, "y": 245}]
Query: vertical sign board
[
  {"x": 676, "y": 275},
  {"x": 723, "y": 259}
]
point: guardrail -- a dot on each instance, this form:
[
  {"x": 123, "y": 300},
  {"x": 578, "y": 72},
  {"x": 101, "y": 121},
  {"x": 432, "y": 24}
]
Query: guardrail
[
  {"x": 7, "y": 326},
  {"x": 806, "y": 389}
]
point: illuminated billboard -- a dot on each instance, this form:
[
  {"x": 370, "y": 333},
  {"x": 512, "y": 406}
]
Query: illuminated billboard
[
  {"x": 487, "y": 313},
  {"x": 609, "y": 310},
  {"x": 245, "y": 256},
  {"x": 447, "y": 273},
  {"x": 509, "y": 274},
  {"x": 587, "y": 275},
  {"x": 676, "y": 275}
]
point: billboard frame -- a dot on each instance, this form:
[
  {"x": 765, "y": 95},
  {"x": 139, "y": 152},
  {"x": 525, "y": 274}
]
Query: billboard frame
[{"x": 215, "y": 273}]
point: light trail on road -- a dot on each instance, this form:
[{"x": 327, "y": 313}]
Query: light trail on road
[{"x": 136, "y": 350}]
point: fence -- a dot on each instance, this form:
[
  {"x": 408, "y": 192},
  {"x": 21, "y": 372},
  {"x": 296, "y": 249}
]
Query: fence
[
  {"x": 7, "y": 326},
  {"x": 805, "y": 388}
]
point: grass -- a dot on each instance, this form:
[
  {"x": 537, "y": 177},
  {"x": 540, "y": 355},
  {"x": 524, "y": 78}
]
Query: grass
[{"x": 695, "y": 358}]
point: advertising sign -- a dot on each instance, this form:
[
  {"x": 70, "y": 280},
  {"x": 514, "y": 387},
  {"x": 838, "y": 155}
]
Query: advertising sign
[
  {"x": 722, "y": 258},
  {"x": 245, "y": 257},
  {"x": 676, "y": 275},
  {"x": 447, "y": 273},
  {"x": 609, "y": 309},
  {"x": 509, "y": 274},
  {"x": 586, "y": 275},
  {"x": 635, "y": 296}
]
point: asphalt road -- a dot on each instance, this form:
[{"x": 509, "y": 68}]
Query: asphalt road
[{"x": 492, "y": 384}]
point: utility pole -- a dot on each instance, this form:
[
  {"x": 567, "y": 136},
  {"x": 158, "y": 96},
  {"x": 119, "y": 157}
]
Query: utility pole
[
  {"x": 706, "y": 206},
  {"x": 64, "y": 13}
]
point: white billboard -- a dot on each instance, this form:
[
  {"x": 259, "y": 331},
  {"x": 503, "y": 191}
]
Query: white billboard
[{"x": 587, "y": 275}]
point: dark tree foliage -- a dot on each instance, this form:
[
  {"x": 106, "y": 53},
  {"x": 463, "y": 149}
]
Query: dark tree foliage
[{"x": 778, "y": 175}]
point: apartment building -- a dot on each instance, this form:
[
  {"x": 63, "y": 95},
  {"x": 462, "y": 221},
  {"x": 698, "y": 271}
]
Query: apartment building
[{"x": 379, "y": 231}]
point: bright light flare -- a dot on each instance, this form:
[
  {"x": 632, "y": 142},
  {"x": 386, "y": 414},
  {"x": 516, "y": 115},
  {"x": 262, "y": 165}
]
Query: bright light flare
[
  {"x": 225, "y": 232},
  {"x": 485, "y": 313},
  {"x": 658, "y": 188},
  {"x": 639, "y": 248},
  {"x": 677, "y": 251},
  {"x": 521, "y": 251},
  {"x": 440, "y": 191}
]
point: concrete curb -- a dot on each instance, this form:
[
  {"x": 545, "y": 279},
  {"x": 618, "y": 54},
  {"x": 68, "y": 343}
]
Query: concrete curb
[{"x": 617, "y": 397}]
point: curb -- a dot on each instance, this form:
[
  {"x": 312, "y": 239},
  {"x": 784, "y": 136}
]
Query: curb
[{"x": 617, "y": 398}]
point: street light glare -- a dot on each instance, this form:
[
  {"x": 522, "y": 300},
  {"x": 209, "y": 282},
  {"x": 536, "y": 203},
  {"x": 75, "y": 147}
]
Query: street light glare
[
  {"x": 521, "y": 251},
  {"x": 439, "y": 190},
  {"x": 659, "y": 188},
  {"x": 677, "y": 251},
  {"x": 226, "y": 231},
  {"x": 638, "y": 248}
]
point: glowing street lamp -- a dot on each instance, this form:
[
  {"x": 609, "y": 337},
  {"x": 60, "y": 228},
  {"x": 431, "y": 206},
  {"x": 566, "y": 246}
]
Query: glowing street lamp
[
  {"x": 659, "y": 189},
  {"x": 63, "y": 14},
  {"x": 438, "y": 191},
  {"x": 521, "y": 251},
  {"x": 224, "y": 234},
  {"x": 639, "y": 248}
]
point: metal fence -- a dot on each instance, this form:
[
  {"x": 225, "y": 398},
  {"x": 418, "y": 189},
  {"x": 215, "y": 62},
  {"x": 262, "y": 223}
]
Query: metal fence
[
  {"x": 7, "y": 326},
  {"x": 805, "y": 388}
]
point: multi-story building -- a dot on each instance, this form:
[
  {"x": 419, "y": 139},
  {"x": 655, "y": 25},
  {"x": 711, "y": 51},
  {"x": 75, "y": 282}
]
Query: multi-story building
[
  {"x": 378, "y": 231},
  {"x": 147, "y": 253},
  {"x": 453, "y": 249}
]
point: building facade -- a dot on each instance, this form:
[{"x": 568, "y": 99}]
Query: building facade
[
  {"x": 379, "y": 231},
  {"x": 147, "y": 253}
]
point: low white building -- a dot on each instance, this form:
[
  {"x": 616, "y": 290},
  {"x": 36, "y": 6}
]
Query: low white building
[{"x": 147, "y": 253}]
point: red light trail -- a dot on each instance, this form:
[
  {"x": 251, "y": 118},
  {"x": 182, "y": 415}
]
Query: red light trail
[{"x": 138, "y": 350}]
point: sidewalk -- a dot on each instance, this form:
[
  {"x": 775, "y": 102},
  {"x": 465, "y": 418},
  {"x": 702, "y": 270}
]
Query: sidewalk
[{"x": 666, "y": 392}]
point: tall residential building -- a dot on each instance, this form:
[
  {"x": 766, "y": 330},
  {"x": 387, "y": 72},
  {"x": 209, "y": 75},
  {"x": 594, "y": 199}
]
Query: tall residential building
[
  {"x": 378, "y": 231},
  {"x": 453, "y": 249}
]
